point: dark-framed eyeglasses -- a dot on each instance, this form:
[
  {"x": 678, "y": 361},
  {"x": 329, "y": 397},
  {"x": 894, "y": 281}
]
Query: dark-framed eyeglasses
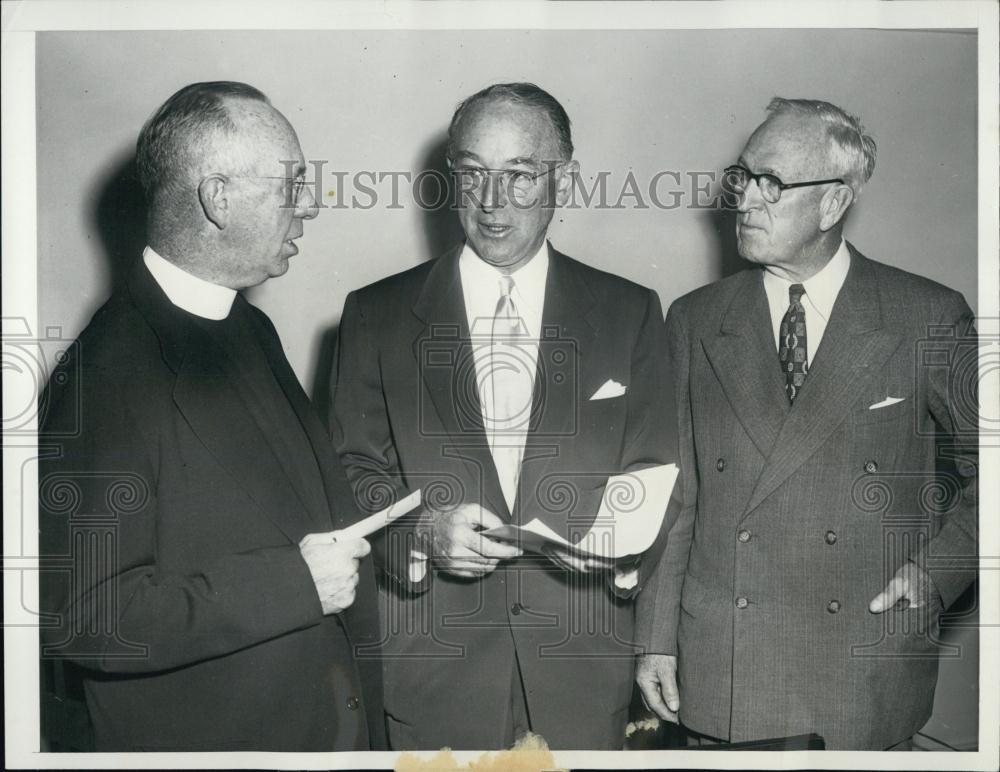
[
  {"x": 519, "y": 185},
  {"x": 737, "y": 179}
]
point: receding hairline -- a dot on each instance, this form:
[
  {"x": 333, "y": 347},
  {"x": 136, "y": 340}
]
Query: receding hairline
[{"x": 511, "y": 103}]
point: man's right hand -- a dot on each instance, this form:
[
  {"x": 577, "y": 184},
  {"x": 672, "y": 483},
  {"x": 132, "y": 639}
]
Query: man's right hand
[
  {"x": 656, "y": 675},
  {"x": 458, "y": 547},
  {"x": 334, "y": 568}
]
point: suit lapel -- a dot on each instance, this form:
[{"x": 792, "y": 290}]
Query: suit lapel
[
  {"x": 853, "y": 349},
  {"x": 745, "y": 361},
  {"x": 569, "y": 319},
  {"x": 444, "y": 359},
  {"x": 213, "y": 407},
  {"x": 319, "y": 440}
]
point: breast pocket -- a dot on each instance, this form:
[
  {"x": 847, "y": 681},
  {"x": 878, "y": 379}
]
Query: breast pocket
[{"x": 883, "y": 410}]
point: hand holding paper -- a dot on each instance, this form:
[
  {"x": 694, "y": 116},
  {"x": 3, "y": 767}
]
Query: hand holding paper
[{"x": 627, "y": 523}]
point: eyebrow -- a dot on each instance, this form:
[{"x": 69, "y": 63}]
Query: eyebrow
[
  {"x": 764, "y": 170},
  {"x": 520, "y": 160}
]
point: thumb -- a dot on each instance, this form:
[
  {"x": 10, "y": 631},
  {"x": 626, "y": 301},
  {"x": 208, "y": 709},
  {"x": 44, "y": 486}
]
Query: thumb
[
  {"x": 358, "y": 548},
  {"x": 489, "y": 520},
  {"x": 888, "y": 597}
]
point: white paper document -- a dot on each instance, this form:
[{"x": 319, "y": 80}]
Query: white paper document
[
  {"x": 372, "y": 523},
  {"x": 627, "y": 523}
]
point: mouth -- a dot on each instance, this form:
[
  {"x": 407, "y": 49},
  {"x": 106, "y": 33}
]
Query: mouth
[
  {"x": 494, "y": 230},
  {"x": 291, "y": 245}
]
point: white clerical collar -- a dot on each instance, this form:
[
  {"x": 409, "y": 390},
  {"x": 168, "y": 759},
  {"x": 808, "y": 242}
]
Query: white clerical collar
[
  {"x": 822, "y": 288},
  {"x": 187, "y": 291},
  {"x": 529, "y": 279}
]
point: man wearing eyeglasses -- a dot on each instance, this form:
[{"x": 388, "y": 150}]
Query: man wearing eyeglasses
[
  {"x": 507, "y": 381},
  {"x": 187, "y": 507},
  {"x": 828, "y": 449}
]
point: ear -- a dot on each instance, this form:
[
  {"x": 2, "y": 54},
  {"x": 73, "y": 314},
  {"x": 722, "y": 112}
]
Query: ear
[
  {"x": 834, "y": 206},
  {"x": 214, "y": 200},
  {"x": 564, "y": 181}
]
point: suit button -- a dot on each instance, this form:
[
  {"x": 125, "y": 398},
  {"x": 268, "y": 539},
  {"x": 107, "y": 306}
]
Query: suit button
[
  {"x": 744, "y": 536},
  {"x": 720, "y": 464},
  {"x": 833, "y": 606},
  {"x": 871, "y": 467},
  {"x": 515, "y": 609},
  {"x": 831, "y": 537},
  {"x": 353, "y": 703},
  {"x": 742, "y": 603}
]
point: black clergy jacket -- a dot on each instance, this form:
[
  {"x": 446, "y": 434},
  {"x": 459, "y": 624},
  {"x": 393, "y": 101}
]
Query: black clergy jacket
[{"x": 172, "y": 502}]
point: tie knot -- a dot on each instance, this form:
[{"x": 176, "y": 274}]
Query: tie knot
[
  {"x": 795, "y": 293},
  {"x": 507, "y": 286}
]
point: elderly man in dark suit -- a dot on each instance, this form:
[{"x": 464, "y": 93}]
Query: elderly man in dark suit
[
  {"x": 828, "y": 450},
  {"x": 186, "y": 520},
  {"x": 508, "y": 381}
]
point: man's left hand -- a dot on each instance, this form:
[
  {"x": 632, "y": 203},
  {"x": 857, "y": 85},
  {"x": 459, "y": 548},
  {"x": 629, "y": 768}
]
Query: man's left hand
[{"x": 911, "y": 583}]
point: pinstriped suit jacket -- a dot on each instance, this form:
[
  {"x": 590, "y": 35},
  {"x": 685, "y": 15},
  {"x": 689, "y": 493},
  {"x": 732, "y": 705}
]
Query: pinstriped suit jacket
[{"x": 796, "y": 516}]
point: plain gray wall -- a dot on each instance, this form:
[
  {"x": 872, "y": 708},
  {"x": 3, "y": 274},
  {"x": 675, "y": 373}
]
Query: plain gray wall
[{"x": 640, "y": 101}]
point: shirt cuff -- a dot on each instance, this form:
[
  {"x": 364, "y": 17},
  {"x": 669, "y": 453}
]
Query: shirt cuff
[
  {"x": 418, "y": 566},
  {"x": 626, "y": 580}
]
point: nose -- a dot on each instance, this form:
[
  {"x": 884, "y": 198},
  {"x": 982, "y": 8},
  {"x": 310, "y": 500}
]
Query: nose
[
  {"x": 306, "y": 207},
  {"x": 492, "y": 194},
  {"x": 750, "y": 198}
]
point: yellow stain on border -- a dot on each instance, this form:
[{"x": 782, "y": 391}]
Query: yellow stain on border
[{"x": 529, "y": 754}]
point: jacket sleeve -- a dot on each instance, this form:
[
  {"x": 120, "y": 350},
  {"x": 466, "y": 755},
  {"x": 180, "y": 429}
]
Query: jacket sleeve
[
  {"x": 362, "y": 435},
  {"x": 650, "y": 437},
  {"x": 108, "y": 605},
  {"x": 658, "y": 606},
  {"x": 952, "y": 380}
]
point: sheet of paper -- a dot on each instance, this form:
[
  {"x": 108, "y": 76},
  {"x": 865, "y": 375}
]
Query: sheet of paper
[
  {"x": 373, "y": 523},
  {"x": 627, "y": 523}
]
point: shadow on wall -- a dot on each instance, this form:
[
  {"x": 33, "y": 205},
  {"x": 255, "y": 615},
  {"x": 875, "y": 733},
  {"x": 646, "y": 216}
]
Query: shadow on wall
[
  {"x": 120, "y": 218},
  {"x": 721, "y": 224},
  {"x": 442, "y": 232},
  {"x": 441, "y": 227}
]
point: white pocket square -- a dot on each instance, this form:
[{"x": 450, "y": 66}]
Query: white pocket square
[
  {"x": 610, "y": 388},
  {"x": 886, "y": 402}
]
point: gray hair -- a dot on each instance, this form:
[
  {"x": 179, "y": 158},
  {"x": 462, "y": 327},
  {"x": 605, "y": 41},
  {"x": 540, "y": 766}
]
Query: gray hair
[
  {"x": 527, "y": 94},
  {"x": 185, "y": 123},
  {"x": 851, "y": 149}
]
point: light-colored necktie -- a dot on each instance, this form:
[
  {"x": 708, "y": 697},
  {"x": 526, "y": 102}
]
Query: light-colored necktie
[{"x": 509, "y": 387}]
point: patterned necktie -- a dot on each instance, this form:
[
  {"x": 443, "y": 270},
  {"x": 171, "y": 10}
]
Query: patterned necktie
[{"x": 794, "y": 360}]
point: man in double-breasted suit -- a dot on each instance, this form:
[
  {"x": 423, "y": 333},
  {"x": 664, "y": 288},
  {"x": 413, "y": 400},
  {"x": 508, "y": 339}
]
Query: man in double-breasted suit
[
  {"x": 507, "y": 381},
  {"x": 189, "y": 492},
  {"x": 828, "y": 411}
]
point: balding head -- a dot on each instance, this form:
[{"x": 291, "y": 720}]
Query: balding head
[
  {"x": 190, "y": 132},
  {"x": 222, "y": 169}
]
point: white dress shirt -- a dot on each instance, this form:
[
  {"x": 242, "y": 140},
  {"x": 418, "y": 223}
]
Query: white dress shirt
[
  {"x": 505, "y": 412},
  {"x": 821, "y": 293},
  {"x": 188, "y": 292},
  {"x": 481, "y": 290}
]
